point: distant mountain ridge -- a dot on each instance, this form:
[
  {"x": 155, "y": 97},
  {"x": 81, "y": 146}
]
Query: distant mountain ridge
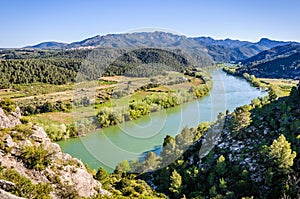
[
  {"x": 49, "y": 45},
  {"x": 227, "y": 50}
]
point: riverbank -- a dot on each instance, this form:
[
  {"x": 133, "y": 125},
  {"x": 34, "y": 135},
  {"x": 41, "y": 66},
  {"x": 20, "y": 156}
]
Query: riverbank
[
  {"x": 276, "y": 87},
  {"x": 128, "y": 100}
]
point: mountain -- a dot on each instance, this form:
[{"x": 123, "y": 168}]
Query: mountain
[
  {"x": 48, "y": 45},
  {"x": 277, "y": 62},
  {"x": 208, "y": 41},
  {"x": 217, "y": 50},
  {"x": 273, "y": 53},
  {"x": 272, "y": 43},
  {"x": 151, "y": 39}
]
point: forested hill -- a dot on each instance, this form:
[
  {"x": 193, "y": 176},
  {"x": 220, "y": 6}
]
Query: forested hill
[
  {"x": 278, "y": 62},
  {"x": 60, "y": 67},
  {"x": 147, "y": 62},
  {"x": 254, "y": 153},
  {"x": 272, "y": 54}
]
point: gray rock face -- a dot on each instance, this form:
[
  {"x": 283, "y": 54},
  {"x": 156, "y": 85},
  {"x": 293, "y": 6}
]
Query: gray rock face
[
  {"x": 10, "y": 120},
  {"x": 63, "y": 171},
  {"x": 6, "y": 195}
]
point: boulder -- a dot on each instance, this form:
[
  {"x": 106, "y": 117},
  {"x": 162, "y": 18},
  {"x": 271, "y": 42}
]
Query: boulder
[{"x": 11, "y": 119}]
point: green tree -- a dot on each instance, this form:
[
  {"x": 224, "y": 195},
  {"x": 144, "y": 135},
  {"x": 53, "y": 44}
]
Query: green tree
[
  {"x": 175, "y": 183},
  {"x": 123, "y": 166},
  {"x": 168, "y": 153},
  {"x": 241, "y": 118},
  {"x": 151, "y": 162},
  {"x": 280, "y": 151},
  {"x": 272, "y": 94},
  {"x": 101, "y": 174},
  {"x": 36, "y": 157},
  {"x": 221, "y": 165}
]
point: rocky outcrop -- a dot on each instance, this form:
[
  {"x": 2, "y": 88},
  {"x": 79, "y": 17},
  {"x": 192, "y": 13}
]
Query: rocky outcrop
[
  {"x": 63, "y": 173},
  {"x": 6, "y": 195},
  {"x": 11, "y": 119}
]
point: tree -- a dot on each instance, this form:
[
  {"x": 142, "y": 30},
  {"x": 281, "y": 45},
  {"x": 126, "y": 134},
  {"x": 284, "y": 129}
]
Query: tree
[
  {"x": 123, "y": 166},
  {"x": 184, "y": 139},
  {"x": 151, "y": 162},
  {"x": 272, "y": 94},
  {"x": 221, "y": 165},
  {"x": 101, "y": 174},
  {"x": 241, "y": 118},
  {"x": 168, "y": 153},
  {"x": 280, "y": 151},
  {"x": 175, "y": 183}
]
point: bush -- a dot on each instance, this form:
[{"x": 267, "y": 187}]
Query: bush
[
  {"x": 35, "y": 157},
  {"x": 8, "y": 105},
  {"x": 24, "y": 187}
]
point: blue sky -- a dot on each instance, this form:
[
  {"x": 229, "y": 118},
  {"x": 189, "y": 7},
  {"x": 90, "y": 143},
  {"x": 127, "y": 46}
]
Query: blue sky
[{"x": 25, "y": 22}]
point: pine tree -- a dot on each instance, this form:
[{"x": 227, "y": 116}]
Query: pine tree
[
  {"x": 175, "y": 183},
  {"x": 101, "y": 174},
  {"x": 281, "y": 152},
  {"x": 221, "y": 165}
]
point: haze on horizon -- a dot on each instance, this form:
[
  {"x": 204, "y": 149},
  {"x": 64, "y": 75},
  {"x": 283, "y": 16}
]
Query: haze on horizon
[{"x": 31, "y": 22}]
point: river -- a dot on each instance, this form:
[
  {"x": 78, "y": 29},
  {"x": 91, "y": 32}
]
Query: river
[{"x": 107, "y": 147}]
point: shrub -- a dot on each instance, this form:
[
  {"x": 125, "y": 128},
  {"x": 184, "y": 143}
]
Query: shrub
[
  {"x": 8, "y": 105},
  {"x": 35, "y": 157}
]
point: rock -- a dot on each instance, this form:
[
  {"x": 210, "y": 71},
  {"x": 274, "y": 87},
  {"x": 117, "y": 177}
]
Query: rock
[
  {"x": 38, "y": 134},
  {"x": 10, "y": 120},
  {"x": 6, "y": 185},
  {"x": 6, "y": 195},
  {"x": 70, "y": 171},
  {"x": 8, "y": 141}
]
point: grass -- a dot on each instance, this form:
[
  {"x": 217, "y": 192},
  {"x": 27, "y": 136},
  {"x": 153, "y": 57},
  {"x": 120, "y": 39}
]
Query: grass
[
  {"x": 282, "y": 87},
  {"x": 39, "y": 89},
  {"x": 51, "y": 118},
  {"x": 27, "y": 94}
]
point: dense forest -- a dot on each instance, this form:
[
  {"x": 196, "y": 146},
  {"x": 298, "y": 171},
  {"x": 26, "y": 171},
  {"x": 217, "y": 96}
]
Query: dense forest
[
  {"x": 164, "y": 60},
  {"x": 51, "y": 71}
]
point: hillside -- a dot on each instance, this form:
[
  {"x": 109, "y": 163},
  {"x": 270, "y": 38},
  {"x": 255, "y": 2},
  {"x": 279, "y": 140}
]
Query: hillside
[
  {"x": 287, "y": 67},
  {"x": 252, "y": 152},
  {"x": 277, "y": 62},
  {"x": 271, "y": 54},
  {"x": 31, "y": 166},
  {"x": 148, "y": 62},
  {"x": 61, "y": 67}
]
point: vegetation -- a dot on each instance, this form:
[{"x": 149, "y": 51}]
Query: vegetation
[
  {"x": 253, "y": 159},
  {"x": 276, "y": 87},
  {"x": 7, "y": 105},
  {"x": 35, "y": 157},
  {"x": 23, "y": 186},
  {"x": 138, "y": 108},
  {"x": 147, "y": 62},
  {"x": 255, "y": 156},
  {"x": 50, "y": 71},
  {"x": 125, "y": 185}
]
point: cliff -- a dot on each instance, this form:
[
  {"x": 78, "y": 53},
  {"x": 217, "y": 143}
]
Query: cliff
[{"x": 27, "y": 153}]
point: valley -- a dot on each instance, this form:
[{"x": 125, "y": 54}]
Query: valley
[{"x": 150, "y": 115}]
